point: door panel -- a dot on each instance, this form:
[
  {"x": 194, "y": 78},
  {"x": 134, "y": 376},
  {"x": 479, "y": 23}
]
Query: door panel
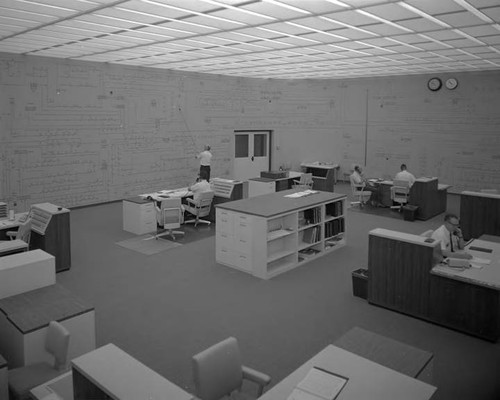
[{"x": 251, "y": 154}]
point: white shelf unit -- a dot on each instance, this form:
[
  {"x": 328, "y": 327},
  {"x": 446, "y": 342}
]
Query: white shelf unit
[{"x": 266, "y": 246}]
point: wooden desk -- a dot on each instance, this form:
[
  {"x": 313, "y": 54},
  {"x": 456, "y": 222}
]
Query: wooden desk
[
  {"x": 367, "y": 380},
  {"x": 110, "y": 373},
  {"x": 469, "y": 300},
  {"x": 283, "y": 183},
  {"x": 405, "y": 277},
  {"x": 324, "y": 175},
  {"x": 429, "y": 196},
  {"x": 24, "y": 319},
  {"x": 479, "y": 214},
  {"x": 12, "y": 246},
  {"x": 271, "y": 234}
]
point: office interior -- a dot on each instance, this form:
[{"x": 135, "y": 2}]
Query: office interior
[{"x": 100, "y": 102}]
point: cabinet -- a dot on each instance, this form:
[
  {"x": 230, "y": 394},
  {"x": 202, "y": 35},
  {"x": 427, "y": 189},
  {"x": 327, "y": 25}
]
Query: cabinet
[
  {"x": 139, "y": 216},
  {"x": 271, "y": 234},
  {"x": 324, "y": 175}
]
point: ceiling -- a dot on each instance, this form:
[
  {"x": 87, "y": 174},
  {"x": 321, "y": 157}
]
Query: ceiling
[{"x": 285, "y": 39}]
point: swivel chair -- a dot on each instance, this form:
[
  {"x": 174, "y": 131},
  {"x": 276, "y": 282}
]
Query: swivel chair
[
  {"x": 304, "y": 182},
  {"x": 400, "y": 192},
  {"x": 218, "y": 372},
  {"x": 23, "y": 379},
  {"x": 169, "y": 216},
  {"x": 19, "y": 240},
  {"x": 360, "y": 195},
  {"x": 199, "y": 207}
]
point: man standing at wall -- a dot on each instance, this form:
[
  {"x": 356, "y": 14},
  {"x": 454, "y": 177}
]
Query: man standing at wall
[{"x": 205, "y": 158}]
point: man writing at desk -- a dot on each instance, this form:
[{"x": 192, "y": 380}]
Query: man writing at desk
[
  {"x": 358, "y": 179},
  {"x": 451, "y": 238},
  {"x": 404, "y": 175},
  {"x": 201, "y": 185}
]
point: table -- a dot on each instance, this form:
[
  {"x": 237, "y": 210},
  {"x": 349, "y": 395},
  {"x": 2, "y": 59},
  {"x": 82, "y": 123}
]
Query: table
[
  {"x": 24, "y": 319},
  {"x": 367, "y": 380},
  {"x": 388, "y": 352},
  {"x": 62, "y": 386},
  {"x": 110, "y": 373}
]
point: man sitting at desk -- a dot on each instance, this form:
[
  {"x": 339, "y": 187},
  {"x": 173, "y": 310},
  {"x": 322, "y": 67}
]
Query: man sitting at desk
[
  {"x": 201, "y": 185},
  {"x": 358, "y": 179},
  {"x": 404, "y": 175},
  {"x": 451, "y": 238}
]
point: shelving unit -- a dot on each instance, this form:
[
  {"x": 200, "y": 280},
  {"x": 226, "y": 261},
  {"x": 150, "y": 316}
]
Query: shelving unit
[{"x": 271, "y": 234}]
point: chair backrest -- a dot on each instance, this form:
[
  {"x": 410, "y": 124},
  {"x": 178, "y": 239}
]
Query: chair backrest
[
  {"x": 356, "y": 187},
  {"x": 171, "y": 213},
  {"x": 400, "y": 183},
  {"x": 217, "y": 371},
  {"x": 24, "y": 231},
  {"x": 204, "y": 203},
  {"x": 306, "y": 179},
  {"x": 57, "y": 344}
]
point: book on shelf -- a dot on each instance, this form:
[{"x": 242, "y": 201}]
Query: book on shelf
[{"x": 318, "y": 384}]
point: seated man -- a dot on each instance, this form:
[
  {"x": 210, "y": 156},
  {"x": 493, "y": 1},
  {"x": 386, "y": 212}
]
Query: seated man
[
  {"x": 451, "y": 238},
  {"x": 404, "y": 175},
  {"x": 201, "y": 185},
  {"x": 358, "y": 178}
]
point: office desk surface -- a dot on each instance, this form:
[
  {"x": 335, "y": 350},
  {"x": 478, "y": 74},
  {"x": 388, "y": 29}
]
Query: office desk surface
[
  {"x": 123, "y": 377},
  {"x": 169, "y": 193},
  {"x": 487, "y": 276},
  {"x": 35, "y": 309},
  {"x": 7, "y": 224},
  {"x": 367, "y": 380},
  {"x": 272, "y": 204}
]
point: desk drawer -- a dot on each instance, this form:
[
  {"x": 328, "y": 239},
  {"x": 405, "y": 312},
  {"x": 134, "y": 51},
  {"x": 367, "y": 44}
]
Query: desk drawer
[{"x": 224, "y": 239}]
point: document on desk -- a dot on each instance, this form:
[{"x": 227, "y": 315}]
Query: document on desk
[
  {"x": 318, "y": 384},
  {"x": 478, "y": 260},
  {"x": 307, "y": 192}
]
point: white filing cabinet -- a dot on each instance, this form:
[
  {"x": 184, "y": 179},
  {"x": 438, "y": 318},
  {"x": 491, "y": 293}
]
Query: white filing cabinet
[{"x": 139, "y": 216}]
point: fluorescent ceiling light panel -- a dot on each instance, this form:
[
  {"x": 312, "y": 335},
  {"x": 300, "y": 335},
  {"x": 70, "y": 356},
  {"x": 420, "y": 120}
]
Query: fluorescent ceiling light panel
[
  {"x": 424, "y": 14},
  {"x": 285, "y": 5},
  {"x": 385, "y": 21}
]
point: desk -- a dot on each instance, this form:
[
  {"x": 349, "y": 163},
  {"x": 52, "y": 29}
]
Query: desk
[
  {"x": 367, "y": 380},
  {"x": 110, "y": 373},
  {"x": 469, "y": 300},
  {"x": 4, "y": 386},
  {"x": 24, "y": 319},
  {"x": 6, "y": 225},
  {"x": 139, "y": 215},
  {"x": 12, "y": 246},
  {"x": 405, "y": 277},
  {"x": 324, "y": 175},
  {"x": 429, "y": 196},
  {"x": 62, "y": 386},
  {"x": 282, "y": 183},
  {"x": 479, "y": 214}
]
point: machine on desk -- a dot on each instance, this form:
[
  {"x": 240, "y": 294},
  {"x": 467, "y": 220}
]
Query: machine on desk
[{"x": 50, "y": 227}]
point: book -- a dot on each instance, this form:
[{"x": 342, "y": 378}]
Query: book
[{"x": 318, "y": 384}]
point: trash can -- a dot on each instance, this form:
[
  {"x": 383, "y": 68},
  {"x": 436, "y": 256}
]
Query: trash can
[
  {"x": 360, "y": 283},
  {"x": 409, "y": 212}
]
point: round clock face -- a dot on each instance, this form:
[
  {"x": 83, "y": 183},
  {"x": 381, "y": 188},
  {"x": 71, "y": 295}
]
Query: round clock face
[
  {"x": 451, "y": 83},
  {"x": 434, "y": 84}
]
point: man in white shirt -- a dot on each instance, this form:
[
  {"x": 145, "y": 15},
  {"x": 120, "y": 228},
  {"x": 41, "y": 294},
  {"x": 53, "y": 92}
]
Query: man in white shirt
[
  {"x": 205, "y": 158},
  {"x": 451, "y": 238},
  {"x": 404, "y": 175},
  {"x": 200, "y": 186},
  {"x": 358, "y": 179}
]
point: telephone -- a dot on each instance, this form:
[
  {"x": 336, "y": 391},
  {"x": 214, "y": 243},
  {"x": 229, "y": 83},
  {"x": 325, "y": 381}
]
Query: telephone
[{"x": 23, "y": 217}]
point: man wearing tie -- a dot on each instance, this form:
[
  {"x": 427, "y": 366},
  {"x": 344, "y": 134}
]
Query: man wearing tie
[{"x": 451, "y": 238}]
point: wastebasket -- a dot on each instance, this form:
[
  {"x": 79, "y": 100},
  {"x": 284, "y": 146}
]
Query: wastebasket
[
  {"x": 409, "y": 212},
  {"x": 360, "y": 283}
]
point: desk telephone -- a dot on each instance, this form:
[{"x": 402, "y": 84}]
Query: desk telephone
[{"x": 23, "y": 217}]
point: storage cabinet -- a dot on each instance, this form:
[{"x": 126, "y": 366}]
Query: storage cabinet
[
  {"x": 271, "y": 234},
  {"x": 139, "y": 216}
]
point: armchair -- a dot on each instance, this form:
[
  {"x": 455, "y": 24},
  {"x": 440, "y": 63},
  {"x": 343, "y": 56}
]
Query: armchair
[
  {"x": 169, "y": 215},
  {"x": 199, "y": 207},
  {"x": 218, "y": 372},
  {"x": 23, "y": 379},
  {"x": 360, "y": 195},
  {"x": 400, "y": 192},
  {"x": 304, "y": 182}
]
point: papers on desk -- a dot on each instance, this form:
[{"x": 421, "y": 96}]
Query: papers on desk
[
  {"x": 307, "y": 192},
  {"x": 318, "y": 384}
]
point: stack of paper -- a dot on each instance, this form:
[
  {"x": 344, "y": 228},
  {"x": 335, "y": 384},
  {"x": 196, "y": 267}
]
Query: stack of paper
[{"x": 318, "y": 384}]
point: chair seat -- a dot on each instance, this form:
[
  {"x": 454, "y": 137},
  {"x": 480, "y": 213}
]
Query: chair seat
[{"x": 22, "y": 380}]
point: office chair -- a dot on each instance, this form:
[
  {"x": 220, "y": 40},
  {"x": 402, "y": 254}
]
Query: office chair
[
  {"x": 400, "y": 192},
  {"x": 360, "y": 195},
  {"x": 218, "y": 372},
  {"x": 23, "y": 379},
  {"x": 19, "y": 240},
  {"x": 23, "y": 232},
  {"x": 304, "y": 182},
  {"x": 199, "y": 207},
  {"x": 169, "y": 215}
]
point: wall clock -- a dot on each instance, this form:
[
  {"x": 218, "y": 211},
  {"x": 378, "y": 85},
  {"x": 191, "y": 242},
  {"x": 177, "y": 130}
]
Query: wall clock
[
  {"x": 434, "y": 84},
  {"x": 451, "y": 83}
]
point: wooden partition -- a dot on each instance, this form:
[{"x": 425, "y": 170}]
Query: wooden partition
[
  {"x": 479, "y": 214},
  {"x": 429, "y": 196}
]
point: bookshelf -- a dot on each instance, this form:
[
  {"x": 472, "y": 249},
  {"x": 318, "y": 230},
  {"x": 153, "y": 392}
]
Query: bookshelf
[{"x": 271, "y": 234}]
